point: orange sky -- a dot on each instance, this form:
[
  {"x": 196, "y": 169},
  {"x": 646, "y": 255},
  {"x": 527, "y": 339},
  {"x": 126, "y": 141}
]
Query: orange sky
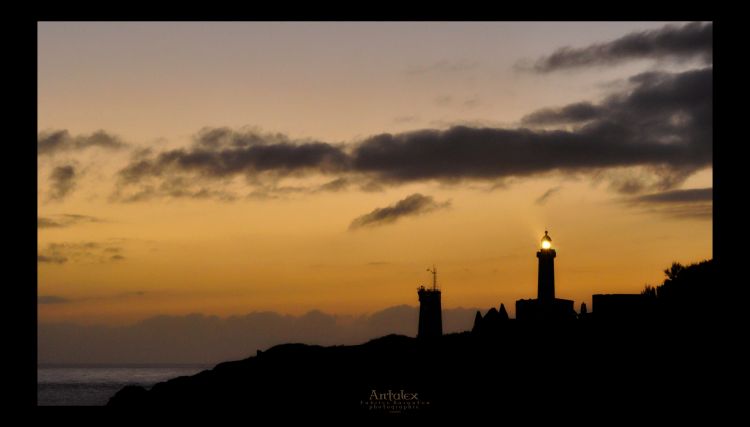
[{"x": 156, "y": 85}]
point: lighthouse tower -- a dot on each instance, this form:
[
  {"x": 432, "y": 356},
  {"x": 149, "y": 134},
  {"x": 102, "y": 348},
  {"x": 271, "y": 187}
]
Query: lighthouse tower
[
  {"x": 546, "y": 273},
  {"x": 546, "y": 307},
  {"x": 430, "y": 311}
]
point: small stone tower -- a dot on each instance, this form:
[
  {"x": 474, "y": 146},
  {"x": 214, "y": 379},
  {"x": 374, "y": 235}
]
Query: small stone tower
[{"x": 430, "y": 310}]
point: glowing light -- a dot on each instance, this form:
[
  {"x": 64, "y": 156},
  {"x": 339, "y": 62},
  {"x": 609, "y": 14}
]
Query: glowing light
[{"x": 546, "y": 244}]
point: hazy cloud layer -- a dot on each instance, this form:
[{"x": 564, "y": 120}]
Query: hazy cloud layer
[
  {"x": 61, "y": 253},
  {"x": 51, "y": 299},
  {"x": 198, "y": 338},
  {"x": 176, "y": 187},
  {"x": 674, "y": 42},
  {"x": 444, "y": 66},
  {"x": 692, "y": 195},
  {"x": 406, "y": 119},
  {"x": 415, "y": 204},
  {"x": 268, "y": 192},
  {"x": 662, "y": 122},
  {"x": 56, "y": 299},
  {"x": 462, "y": 103},
  {"x": 52, "y": 142},
  {"x": 64, "y": 220},
  {"x": 694, "y": 203},
  {"x": 62, "y": 181}
]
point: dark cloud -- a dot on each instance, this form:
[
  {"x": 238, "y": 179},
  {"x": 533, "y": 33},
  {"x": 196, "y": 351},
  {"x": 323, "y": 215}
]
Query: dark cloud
[
  {"x": 54, "y": 299},
  {"x": 661, "y": 123},
  {"x": 64, "y": 220},
  {"x": 570, "y": 114},
  {"x": 547, "y": 194},
  {"x": 51, "y": 299},
  {"x": 371, "y": 186},
  {"x": 701, "y": 211},
  {"x": 60, "y": 140},
  {"x": 228, "y": 156},
  {"x": 141, "y": 194},
  {"x": 53, "y": 259},
  {"x": 656, "y": 178},
  {"x": 198, "y": 338},
  {"x": 220, "y": 155},
  {"x": 227, "y": 138},
  {"x": 337, "y": 184},
  {"x": 176, "y": 187},
  {"x": 283, "y": 191},
  {"x": 270, "y": 192},
  {"x": 664, "y": 122},
  {"x": 415, "y": 204},
  {"x": 261, "y": 195},
  {"x": 181, "y": 188},
  {"x": 42, "y": 222},
  {"x": 80, "y": 252},
  {"x": 63, "y": 181},
  {"x": 694, "y": 203},
  {"x": 678, "y": 196},
  {"x": 694, "y": 40}
]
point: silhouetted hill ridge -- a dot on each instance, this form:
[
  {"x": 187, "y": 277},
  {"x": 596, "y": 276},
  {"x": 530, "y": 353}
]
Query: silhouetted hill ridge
[
  {"x": 623, "y": 365},
  {"x": 579, "y": 364}
]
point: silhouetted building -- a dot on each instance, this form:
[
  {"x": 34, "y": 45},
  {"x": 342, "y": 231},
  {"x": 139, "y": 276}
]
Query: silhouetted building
[
  {"x": 667, "y": 301},
  {"x": 621, "y": 307},
  {"x": 584, "y": 314},
  {"x": 546, "y": 307},
  {"x": 430, "y": 310}
]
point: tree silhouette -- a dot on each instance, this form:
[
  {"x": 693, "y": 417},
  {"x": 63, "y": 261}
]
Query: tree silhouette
[
  {"x": 649, "y": 291},
  {"x": 684, "y": 288}
]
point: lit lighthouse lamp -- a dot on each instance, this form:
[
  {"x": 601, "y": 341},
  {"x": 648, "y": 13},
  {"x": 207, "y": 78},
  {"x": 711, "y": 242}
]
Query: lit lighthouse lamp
[{"x": 546, "y": 241}]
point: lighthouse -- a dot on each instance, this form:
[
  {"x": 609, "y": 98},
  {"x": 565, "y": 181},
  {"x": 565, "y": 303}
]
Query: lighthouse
[
  {"x": 430, "y": 311},
  {"x": 546, "y": 271},
  {"x": 546, "y": 307}
]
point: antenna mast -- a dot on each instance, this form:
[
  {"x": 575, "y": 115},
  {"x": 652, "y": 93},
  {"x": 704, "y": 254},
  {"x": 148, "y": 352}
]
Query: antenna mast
[{"x": 434, "y": 277}]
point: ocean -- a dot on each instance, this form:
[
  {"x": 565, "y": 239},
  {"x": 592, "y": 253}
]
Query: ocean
[{"x": 86, "y": 385}]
